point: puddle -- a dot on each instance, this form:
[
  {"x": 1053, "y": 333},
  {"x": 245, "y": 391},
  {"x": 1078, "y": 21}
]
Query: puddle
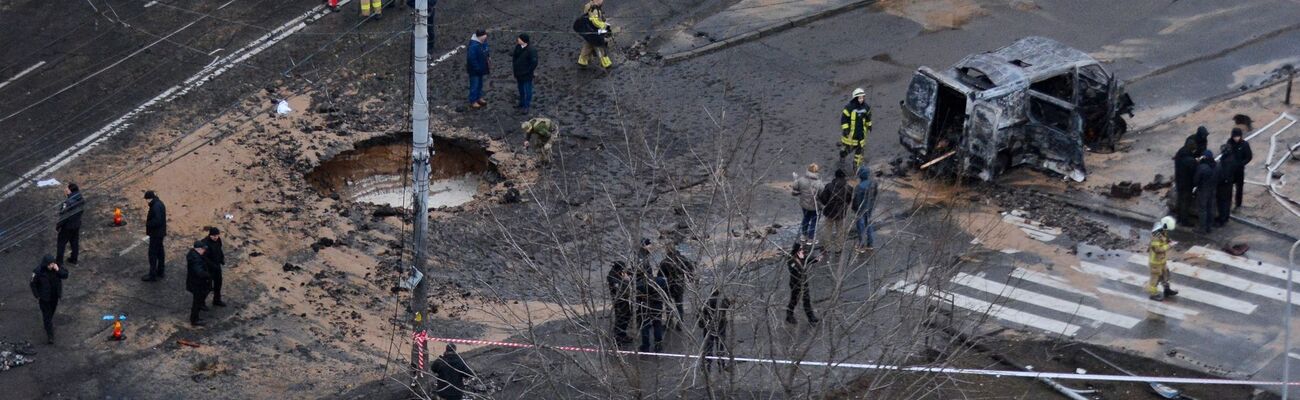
[{"x": 378, "y": 171}]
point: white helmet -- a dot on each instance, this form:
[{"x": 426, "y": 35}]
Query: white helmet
[
  {"x": 1167, "y": 223},
  {"x": 859, "y": 92}
]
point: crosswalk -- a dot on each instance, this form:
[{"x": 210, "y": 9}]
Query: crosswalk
[{"x": 1108, "y": 293}]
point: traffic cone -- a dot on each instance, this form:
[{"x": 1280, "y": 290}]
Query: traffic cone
[
  {"x": 117, "y": 331},
  {"x": 117, "y": 217}
]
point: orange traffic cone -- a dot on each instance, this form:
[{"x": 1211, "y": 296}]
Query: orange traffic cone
[
  {"x": 117, "y": 217},
  {"x": 117, "y": 331}
]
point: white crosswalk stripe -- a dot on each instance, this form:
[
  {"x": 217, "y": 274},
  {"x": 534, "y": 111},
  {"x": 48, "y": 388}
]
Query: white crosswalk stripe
[
  {"x": 1155, "y": 307},
  {"x": 1185, "y": 292},
  {"x": 1224, "y": 279},
  {"x": 1045, "y": 301},
  {"x": 1049, "y": 281},
  {"x": 1243, "y": 263},
  {"x": 994, "y": 310}
]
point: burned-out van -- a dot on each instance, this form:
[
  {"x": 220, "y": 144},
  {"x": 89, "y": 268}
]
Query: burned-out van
[{"x": 1035, "y": 102}]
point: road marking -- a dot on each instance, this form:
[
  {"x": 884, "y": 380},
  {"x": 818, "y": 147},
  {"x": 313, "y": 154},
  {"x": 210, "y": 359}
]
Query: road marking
[
  {"x": 1258, "y": 267},
  {"x": 1293, "y": 355},
  {"x": 1185, "y": 292},
  {"x": 20, "y": 74},
  {"x": 132, "y": 247},
  {"x": 1003, "y": 313},
  {"x": 1045, "y": 301},
  {"x": 1222, "y": 279},
  {"x": 1049, "y": 281},
  {"x": 150, "y": 4},
  {"x": 1155, "y": 307},
  {"x": 204, "y": 75}
]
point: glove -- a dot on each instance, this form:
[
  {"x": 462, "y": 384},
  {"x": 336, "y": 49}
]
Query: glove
[{"x": 602, "y": 31}]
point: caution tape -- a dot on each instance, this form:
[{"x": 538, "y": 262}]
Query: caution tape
[{"x": 885, "y": 367}]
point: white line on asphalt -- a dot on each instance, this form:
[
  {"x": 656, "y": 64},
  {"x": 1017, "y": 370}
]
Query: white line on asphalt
[
  {"x": 981, "y": 306},
  {"x": 1185, "y": 292},
  {"x": 1045, "y": 301},
  {"x": 1156, "y": 307},
  {"x": 150, "y": 4},
  {"x": 1258, "y": 267},
  {"x": 1293, "y": 355},
  {"x": 1049, "y": 281},
  {"x": 198, "y": 79},
  {"x": 20, "y": 74},
  {"x": 1222, "y": 279},
  {"x": 132, "y": 247}
]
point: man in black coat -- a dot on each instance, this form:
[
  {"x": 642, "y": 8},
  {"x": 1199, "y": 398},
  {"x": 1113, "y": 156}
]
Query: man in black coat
[
  {"x": 1241, "y": 154},
  {"x": 524, "y": 62},
  {"x": 450, "y": 371},
  {"x": 619, "y": 281},
  {"x": 834, "y": 199},
  {"x": 216, "y": 259},
  {"x": 197, "y": 280},
  {"x": 69, "y": 226},
  {"x": 1184, "y": 177},
  {"x": 1202, "y": 138},
  {"x": 1223, "y": 191},
  {"x": 47, "y": 286},
  {"x": 155, "y": 225},
  {"x": 678, "y": 272},
  {"x": 714, "y": 322},
  {"x": 1206, "y": 184},
  {"x": 801, "y": 258},
  {"x": 651, "y": 293}
]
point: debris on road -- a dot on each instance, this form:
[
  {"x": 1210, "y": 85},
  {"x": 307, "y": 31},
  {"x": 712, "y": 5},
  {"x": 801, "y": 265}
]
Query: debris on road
[
  {"x": 14, "y": 354},
  {"x": 184, "y": 342},
  {"x": 1125, "y": 190},
  {"x": 1034, "y": 229}
]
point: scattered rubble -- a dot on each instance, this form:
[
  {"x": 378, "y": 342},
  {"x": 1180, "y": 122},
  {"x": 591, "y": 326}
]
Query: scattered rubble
[
  {"x": 1125, "y": 190},
  {"x": 14, "y": 354},
  {"x": 1052, "y": 212}
]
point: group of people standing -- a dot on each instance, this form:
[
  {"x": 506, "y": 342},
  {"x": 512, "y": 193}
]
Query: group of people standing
[
  {"x": 1206, "y": 187},
  {"x": 48, "y": 276},
  {"x": 835, "y": 201}
]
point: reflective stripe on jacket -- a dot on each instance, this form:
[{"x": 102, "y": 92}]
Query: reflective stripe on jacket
[{"x": 855, "y": 123}]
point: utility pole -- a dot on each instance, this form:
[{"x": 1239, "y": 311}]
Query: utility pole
[{"x": 420, "y": 154}]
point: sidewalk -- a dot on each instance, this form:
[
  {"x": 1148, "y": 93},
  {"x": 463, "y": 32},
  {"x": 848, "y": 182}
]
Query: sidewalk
[{"x": 746, "y": 20}]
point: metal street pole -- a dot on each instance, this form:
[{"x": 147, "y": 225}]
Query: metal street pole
[{"x": 420, "y": 154}]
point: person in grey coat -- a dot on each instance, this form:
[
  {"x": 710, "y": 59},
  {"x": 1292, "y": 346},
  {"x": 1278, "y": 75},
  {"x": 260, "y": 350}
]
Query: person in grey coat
[{"x": 806, "y": 188}]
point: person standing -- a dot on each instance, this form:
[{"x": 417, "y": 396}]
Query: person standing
[
  {"x": 1184, "y": 180},
  {"x": 69, "y": 226},
  {"x": 477, "y": 66},
  {"x": 47, "y": 286},
  {"x": 1202, "y": 138},
  {"x": 155, "y": 225},
  {"x": 451, "y": 371},
  {"x": 619, "y": 281},
  {"x": 197, "y": 280},
  {"x": 546, "y": 133},
  {"x": 855, "y": 124},
  {"x": 1223, "y": 190},
  {"x": 1241, "y": 155},
  {"x": 524, "y": 62},
  {"x": 864, "y": 204},
  {"x": 216, "y": 260},
  {"x": 678, "y": 272},
  {"x": 802, "y": 257},
  {"x": 1206, "y": 185},
  {"x": 714, "y": 322},
  {"x": 834, "y": 199},
  {"x": 651, "y": 290},
  {"x": 595, "y": 34},
  {"x": 1158, "y": 255},
  {"x": 806, "y": 188}
]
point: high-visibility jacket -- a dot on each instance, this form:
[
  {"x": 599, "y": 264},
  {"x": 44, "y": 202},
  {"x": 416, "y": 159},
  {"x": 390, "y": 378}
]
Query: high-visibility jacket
[
  {"x": 1159, "y": 250},
  {"x": 855, "y": 123},
  {"x": 595, "y": 14}
]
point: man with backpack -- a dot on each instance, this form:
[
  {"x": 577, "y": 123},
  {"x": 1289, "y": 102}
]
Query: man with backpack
[{"x": 595, "y": 34}]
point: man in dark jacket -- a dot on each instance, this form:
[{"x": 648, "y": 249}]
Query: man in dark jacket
[
  {"x": 1223, "y": 191},
  {"x": 1206, "y": 184},
  {"x": 47, "y": 286},
  {"x": 197, "y": 280},
  {"x": 834, "y": 199},
  {"x": 1202, "y": 138},
  {"x": 69, "y": 226},
  {"x": 1241, "y": 155},
  {"x": 155, "y": 225},
  {"x": 864, "y": 204},
  {"x": 524, "y": 62},
  {"x": 451, "y": 372},
  {"x": 619, "y": 281},
  {"x": 216, "y": 259},
  {"x": 714, "y": 322},
  {"x": 678, "y": 272},
  {"x": 651, "y": 293},
  {"x": 477, "y": 66},
  {"x": 1184, "y": 178},
  {"x": 802, "y": 258}
]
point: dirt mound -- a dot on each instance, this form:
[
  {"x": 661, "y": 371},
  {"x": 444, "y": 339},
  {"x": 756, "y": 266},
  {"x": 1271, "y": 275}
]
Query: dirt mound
[{"x": 935, "y": 15}]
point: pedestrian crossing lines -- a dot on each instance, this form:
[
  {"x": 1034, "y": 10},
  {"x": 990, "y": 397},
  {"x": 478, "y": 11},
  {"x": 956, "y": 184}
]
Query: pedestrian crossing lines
[{"x": 994, "y": 310}]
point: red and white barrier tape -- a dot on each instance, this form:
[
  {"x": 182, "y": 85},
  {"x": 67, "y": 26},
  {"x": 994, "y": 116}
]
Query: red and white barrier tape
[{"x": 900, "y": 368}]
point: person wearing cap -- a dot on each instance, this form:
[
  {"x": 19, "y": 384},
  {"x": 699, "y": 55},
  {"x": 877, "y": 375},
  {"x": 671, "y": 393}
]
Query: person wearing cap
[
  {"x": 524, "y": 62},
  {"x": 155, "y": 225},
  {"x": 69, "y": 225},
  {"x": 47, "y": 286},
  {"x": 1241, "y": 155},
  {"x": 451, "y": 371},
  {"x": 595, "y": 42},
  {"x": 545, "y": 131},
  {"x": 216, "y": 259},
  {"x": 1158, "y": 256},
  {"x": 855, "y": 124},
  {"x": 477, "y": 66},
  {"x": 198, "y": 281},
  {"x": 1205, "y": 188}
]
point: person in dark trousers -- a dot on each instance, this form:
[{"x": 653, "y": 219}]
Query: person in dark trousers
[
  {"x": 47, "y": 286},
  {"x": 1241, "y": 155},
  {"x": 451, "y": 372},
  {"x": 155, "y": 225},
  {"x": 216, "y": 259},
  {"x": 477, "y": 66},
  {"x": 1223, "y": 191},
  {"x": 714, "y": 322},
  {"x": 806, "y": 188},
  {"x": 802, "y": 257},
  {"x": 1184, "y": 181},
  {"x": 678, "y": 272},
  {"x": 197, "y": 280},
  {"x": 834, "y": 199},
  {"x": 69, "y": 226},
  {"x": 651, "y": 293},
  {"x": 1202, "y": 138},
  {"x": 855, "y": 125},
  {"x": 1206, "y": 184},
  {"x": 524, "y": 63},
  {"x": 864, "y": 204},
  {"x": 619, "y": 281}
]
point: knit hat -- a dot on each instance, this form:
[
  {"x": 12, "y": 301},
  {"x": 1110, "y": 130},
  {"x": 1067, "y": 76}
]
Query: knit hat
[
  {"x": 525, "y": 38},
  {"x": 198, "y": 244},
  {"x": 148, "y": 195},
  {"x": 213, "y": 231},
  {"x": 480, "y": 32},
  {"x": 1208, "y": 154},
  {"x": 1236, "y": 132}
]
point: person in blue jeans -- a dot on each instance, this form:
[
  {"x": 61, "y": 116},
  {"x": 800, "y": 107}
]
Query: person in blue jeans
[
  {"x": 806, "y": 188},
  {"x": 524, "y": 62},
  {"x": 652, "y": 290},
  {"x": 477, "y": 66},
  {"x": 864, "y": 203}
]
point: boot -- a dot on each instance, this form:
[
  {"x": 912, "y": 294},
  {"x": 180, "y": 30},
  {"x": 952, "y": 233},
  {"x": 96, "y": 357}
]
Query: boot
[
  {"x": 218, "y": 303},
  {"x": 1158, "y": 297},
  {"x": 812, "y": 319},
  {"x": 1170, "y": 292},
  {"x": 789, "y": 318}
]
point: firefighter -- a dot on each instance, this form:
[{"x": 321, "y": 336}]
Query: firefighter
[
  {"x": 595, "y": 33},
  {"x": 1159, "y": 254},
  {"x": 545, "y": 131},
  {"x": 855, "y": 124},
  {"x": 375, "y": 7}
]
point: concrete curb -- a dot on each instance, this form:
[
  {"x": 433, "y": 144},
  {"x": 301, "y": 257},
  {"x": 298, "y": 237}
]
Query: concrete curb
[
  {"x": 764, "y": 31},
  {"x": 1206, "y": 103}
]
